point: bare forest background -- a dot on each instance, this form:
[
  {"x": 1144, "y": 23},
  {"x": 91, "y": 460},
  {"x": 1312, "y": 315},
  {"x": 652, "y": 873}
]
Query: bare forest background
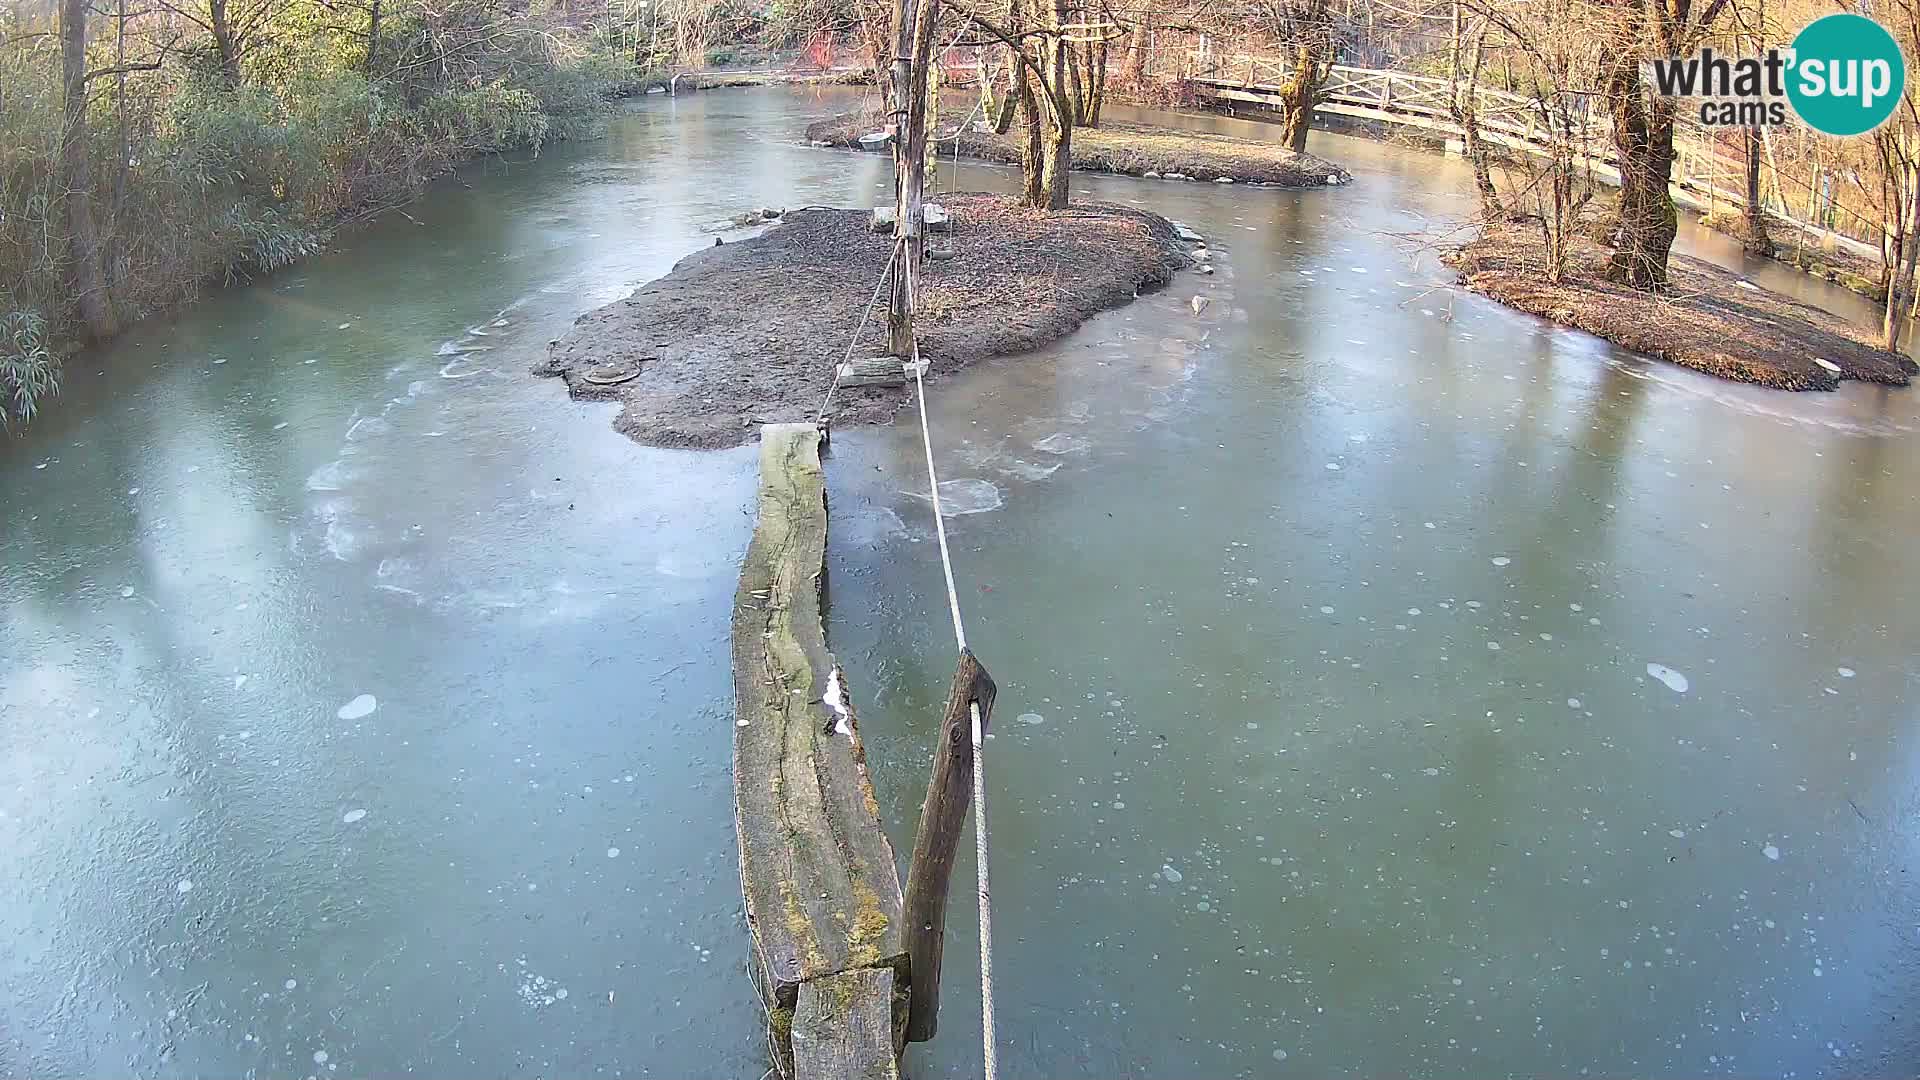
[{"x": 149, "y": 148}]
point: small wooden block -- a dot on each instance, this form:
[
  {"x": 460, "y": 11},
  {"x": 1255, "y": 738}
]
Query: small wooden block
[
  {"x": 873, "y": 371},
  {"x": 843, "y": 1027}
]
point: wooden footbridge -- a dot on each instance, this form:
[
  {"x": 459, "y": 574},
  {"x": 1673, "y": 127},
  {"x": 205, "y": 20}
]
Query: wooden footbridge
[{"x": 1704, "y": 177}]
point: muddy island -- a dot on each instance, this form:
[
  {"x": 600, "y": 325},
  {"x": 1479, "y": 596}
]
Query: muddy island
[
  {"x": 750, "y": 332},
  {"x": 1113, "y": 147},
  {"x": 1710, "y": 319}
]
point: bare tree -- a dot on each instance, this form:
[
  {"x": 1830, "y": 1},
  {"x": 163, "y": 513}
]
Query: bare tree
[
  {"x": 1556, "y": 180},
  {"x": 1468, "y": 43},
  {"x": 76, "y": 161},
  {"x": 1643, "y": 129},
  {"x": 1304, "y": 31}
]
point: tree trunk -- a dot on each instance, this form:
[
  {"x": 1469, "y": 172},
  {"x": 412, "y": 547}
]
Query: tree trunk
[
  {"x": 910, "y": 163},
  {"x": 1002, "y": 120},
  {"x": 1465, "y": 105},
  {"x": 1643, "y": 144},
  {"x": 373, "y": 35},
  {"x": 1059, "y": 157},
  {"x": 1096, "y": 83},
  {"x": 223, "y": 42},
  {"x": 76, "y": 166},
  {"x": 1033, "y": 146},
  {"x": 1075, "y": 88},
  {"x": 989, "y": 101},
  {"x": 1297, "y": 98},
  {"x": 1900, "y": 278},
  {"x": 1058, "y": 160},
  {"x": 1138, "y": 43},
  {"x": 1756, "y": 239}
]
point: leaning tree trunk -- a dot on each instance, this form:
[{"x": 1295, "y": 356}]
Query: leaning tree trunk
[
  {"x": 1643, "y": 144},
  {"x": 1010, "y": 101},
  {"x": 1096, "y": 82},
  {"x": 76, "y": 166},
  {"x": 1139, "y": 41},
  {"x": 1464, "y": 104},
  {"x": 1297, "y": 98},
  {"x": 1075, "y": 86}
]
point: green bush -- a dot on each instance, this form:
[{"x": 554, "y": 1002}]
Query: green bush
[
  {"x": 219, "y": 183},
  {"x": 29, "y": 372}
]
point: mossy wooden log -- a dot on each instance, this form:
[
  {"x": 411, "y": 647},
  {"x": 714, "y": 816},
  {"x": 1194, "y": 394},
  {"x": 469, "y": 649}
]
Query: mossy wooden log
[
  {"x": 843, "y": 1027},
  {"x": 818, "y": 875}
]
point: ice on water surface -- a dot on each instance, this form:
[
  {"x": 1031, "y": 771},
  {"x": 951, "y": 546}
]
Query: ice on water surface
[
  {"x": 1674, "y": 680},
  {"x": 360, "y": 706}
]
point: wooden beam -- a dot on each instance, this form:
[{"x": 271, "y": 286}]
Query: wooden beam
[
  {"x": 818, "y": 875},
  {"x": 843, "y": 1027},
  {"x": 942, "y": 818}
]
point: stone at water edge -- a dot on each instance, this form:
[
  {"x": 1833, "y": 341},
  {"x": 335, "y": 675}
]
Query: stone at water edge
[
  {"x": 1223, "y": 179},
  {"x": 1150, "y": 175},
  {"x": 875, "y": 141},
  {"x": 1826, "y": 363}
]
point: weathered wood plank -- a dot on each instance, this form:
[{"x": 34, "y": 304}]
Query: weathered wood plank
[
  {"x": 942, "y": 818},
  {"x": 822, "y": 893},
  {"x": 843, "y": 1028},
  {"x": 873, "y": 371}
]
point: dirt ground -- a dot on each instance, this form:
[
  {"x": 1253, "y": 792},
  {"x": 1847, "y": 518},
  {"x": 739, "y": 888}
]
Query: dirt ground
[
  {"x": 1131, "y": 149},
  {"x": 1710, "y": 321},
  {"x": 751, "y": 331}
]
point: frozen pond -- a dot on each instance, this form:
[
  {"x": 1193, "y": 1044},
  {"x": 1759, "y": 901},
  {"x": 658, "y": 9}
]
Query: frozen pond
[{"x": 1390, "y": 683}]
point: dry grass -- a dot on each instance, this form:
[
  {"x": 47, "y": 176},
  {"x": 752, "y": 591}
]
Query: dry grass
[{"x": 1711, "y": 320}]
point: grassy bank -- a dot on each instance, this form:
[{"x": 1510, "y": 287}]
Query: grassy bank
[
  {"x": 205, "y": 172},
  {"x": 1711, "y": 320},
  {"x": 1804, "y": 251},
  {"x": 1129, "y": 149}
]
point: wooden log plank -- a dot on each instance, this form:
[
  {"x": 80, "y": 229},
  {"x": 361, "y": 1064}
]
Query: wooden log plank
[
  {"x": 942, "y": 819},
  {"x": 843, "y": 1028},
  {"x": 873, "y": 371},
  {"x": 818, "y": 875}
]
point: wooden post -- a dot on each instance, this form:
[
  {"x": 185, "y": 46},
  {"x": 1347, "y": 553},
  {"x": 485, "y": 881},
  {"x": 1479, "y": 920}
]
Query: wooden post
[
  {"x": 912, "y": 67},
  {"x": 942, "y": 817}
]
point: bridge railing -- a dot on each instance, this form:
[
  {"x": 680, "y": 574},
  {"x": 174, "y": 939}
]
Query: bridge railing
[{"x": 1703, "y": 170}]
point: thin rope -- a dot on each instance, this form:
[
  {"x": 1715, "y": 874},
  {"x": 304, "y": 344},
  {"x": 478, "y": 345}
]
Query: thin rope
[
  {"x": 980, "y": 838},
  {"x": 857, "y": 331}
]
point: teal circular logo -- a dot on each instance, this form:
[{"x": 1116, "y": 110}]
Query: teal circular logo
[{"x": 1846, "y": 75}]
